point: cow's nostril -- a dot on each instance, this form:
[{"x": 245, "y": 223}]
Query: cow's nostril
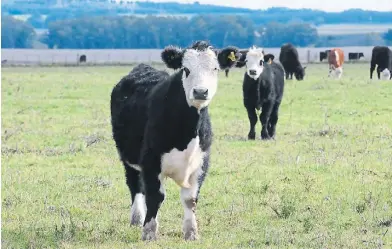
[
  {"x": 252, "y": 72},
  {"x": 200, "y": 93}
]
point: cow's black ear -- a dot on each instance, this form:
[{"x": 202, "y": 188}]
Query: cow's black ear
[
  {"x": 228, "y": 57},
  {"x": 269, "y": 57},
  {"x": 172, "y": 57},
  {"x": 304, "y": 67}
]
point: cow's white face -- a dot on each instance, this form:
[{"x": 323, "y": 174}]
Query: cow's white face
[
  {"x": 199, "y": 76},
  {"x": 336, "y": 72},
  {"x": 385, "y": 74},
  {"x": 254, "y": 62},
  {"x": 199, "y": 67}
]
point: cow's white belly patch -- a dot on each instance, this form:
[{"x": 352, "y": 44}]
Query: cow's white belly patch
[{"x": 180, "y": 165}]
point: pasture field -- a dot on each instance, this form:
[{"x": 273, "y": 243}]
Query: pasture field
[{"x": 325, "y": 182}]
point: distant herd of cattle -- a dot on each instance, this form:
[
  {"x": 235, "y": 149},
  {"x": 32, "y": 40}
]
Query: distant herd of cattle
[
  {"x": 161, "y": 125},
  {"x": 381, "y": 56}
]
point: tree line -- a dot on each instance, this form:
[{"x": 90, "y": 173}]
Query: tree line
[
  {"x": 157, "y": 32},
  {"x": 43, "y": 12}
]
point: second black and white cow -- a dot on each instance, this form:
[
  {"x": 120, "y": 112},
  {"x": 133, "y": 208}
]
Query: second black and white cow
[
  {"x": 355, "y": 56},
  {"x": 162, "y": 128},
  {"x": 240, "y": 63},
  {"x": 289, "y": 58},
  {"x": 382, "y": 57},
  {"x": 262, "y": 87}
]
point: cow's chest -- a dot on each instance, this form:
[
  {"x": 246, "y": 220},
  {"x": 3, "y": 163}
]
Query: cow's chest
[{"x": 180, "y": 165}]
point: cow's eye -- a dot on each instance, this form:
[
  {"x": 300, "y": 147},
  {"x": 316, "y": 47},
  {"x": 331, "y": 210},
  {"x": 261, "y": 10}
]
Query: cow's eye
[
  {"x": 261, "y": 62},
  {"x": 187, "y": 72},
  {"x": 216, "y": 69}
]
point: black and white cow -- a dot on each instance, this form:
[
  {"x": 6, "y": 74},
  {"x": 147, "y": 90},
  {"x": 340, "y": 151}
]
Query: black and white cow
[
  {"x": 241, "y": 63},
  {"x": 162, "y": 128},
  {"x": 355, "y": 56},
  {"x": 262, "y": 87},
  {"x": 324, "y": 55},
  {"x": 382, "y": 57},
  {"x": 290, "y": 61}
]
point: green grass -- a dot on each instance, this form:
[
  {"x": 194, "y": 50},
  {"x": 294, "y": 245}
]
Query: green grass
[{"x": 325, "y": 182}]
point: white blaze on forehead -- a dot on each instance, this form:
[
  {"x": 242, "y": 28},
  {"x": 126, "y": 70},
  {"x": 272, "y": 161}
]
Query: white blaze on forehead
[
  {"x": 253, "y": 58},
  {"x": 203, "y": 69}
]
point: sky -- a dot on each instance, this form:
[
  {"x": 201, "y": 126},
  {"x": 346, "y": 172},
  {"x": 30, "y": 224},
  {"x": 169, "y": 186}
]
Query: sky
[{"x": 326, "y": 5}]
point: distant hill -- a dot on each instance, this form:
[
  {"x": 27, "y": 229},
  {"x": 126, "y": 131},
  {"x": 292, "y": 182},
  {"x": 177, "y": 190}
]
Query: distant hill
[
  {"x": 126, "y": 24},
  {"x": 66, "y": 9}
]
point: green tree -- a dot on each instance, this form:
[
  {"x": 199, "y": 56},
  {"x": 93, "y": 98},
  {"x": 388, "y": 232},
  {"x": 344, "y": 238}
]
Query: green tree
[
  {"x": 16, "y": 33},
  {"x": 37, "y": 21},
  {"x": 388, "y": 36}
]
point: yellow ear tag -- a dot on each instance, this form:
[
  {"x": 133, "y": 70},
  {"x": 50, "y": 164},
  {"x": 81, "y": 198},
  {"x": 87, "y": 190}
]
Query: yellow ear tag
[
  {"x": 270, "y": 61},
  {"x": 231, "y": 56}
]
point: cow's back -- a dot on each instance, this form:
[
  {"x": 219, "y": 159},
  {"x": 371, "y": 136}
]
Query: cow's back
[
  {"x": 129, "y": 101},
  {"x": 336, "y": 57},
  {"x": 289, "y": 57}
]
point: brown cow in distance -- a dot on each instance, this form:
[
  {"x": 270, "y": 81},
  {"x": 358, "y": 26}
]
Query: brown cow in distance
[{"x": 335, "y": 61}]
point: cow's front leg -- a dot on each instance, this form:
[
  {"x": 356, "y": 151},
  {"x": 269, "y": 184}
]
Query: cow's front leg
[
  {"x": 189, "y": 201},
  {"x": 155, "y": 194},
  {"x": 252, "y": 121},
  {"x": 265, "y": 118}
]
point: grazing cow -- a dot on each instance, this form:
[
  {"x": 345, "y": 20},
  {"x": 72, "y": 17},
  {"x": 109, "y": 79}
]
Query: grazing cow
[
  {"x": 335, "y": 61},
  {"x": 382, "y": 57},
  {"x": 324, "y": 55},
  {"x": 262, "y": 87},
  {"x": 355, "y": 56},
  {"x": 83, "y": 58},
  {"x": 161, "y": 127},
  {"x": 290, "y": 61}
]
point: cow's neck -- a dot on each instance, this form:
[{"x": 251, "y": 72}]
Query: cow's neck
[{"x": 188, "y": 118}]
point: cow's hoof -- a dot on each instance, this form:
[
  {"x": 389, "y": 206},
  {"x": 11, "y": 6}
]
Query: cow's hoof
[
  {"x": 137, "y": 220},
  {"x": 150, "y": 231},
  {"x": 265, "y": 137},
  {"x": 190, "y": 230},
  {"x": 252, "y": 136}
]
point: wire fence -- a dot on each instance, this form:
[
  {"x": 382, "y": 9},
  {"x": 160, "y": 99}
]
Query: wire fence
[{"x": 75, "y": 57}]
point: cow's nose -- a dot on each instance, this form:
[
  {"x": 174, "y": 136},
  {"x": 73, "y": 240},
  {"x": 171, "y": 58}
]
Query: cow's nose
[
  {"x": 200, "y": 93},
  {"x": 252, "y": 72}
]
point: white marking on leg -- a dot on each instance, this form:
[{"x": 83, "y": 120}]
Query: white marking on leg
[
  {"x": 138, "y": 210},
  {"x": 188, "y": 200},
  {"x": 339, "y": 72},
  {"x": 150, "y": 230},
  {"x": 134, "y": 166}
]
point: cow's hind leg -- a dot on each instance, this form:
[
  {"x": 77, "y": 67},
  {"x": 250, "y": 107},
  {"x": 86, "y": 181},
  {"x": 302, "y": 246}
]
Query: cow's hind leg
[
  {"x": 265, "y": 118},
  {"x": 378, "y": 72},
  {"x": 252, "y": 122},
  {"x": 155, "y": 193},
  {"x": 273, "y": 121},
  {"x": 189, "y": 198},
  {"x": 372, "y": 67},
  {"x": 138, "y": 209}
]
